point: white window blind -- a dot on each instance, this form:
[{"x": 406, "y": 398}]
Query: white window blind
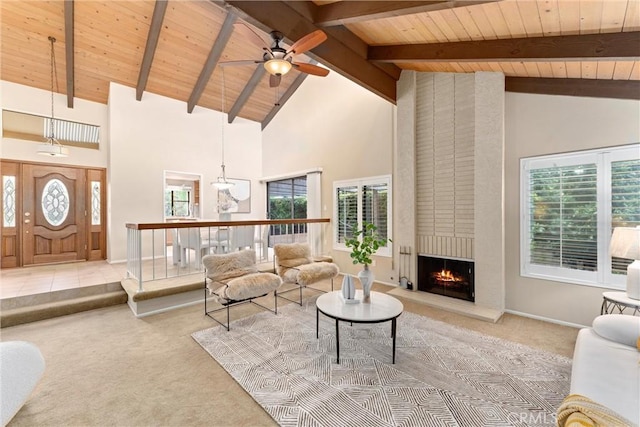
[
  {"x": 570, "y": 204},
  {"x": 346, "y": 212},
  {"x": 374, "y": 206},
  {"x": 72, "y": 131},
  {"x": 563, "y": 207},
  {"x": 357, "y": 201},
  {"x": 625, "y": 202}
]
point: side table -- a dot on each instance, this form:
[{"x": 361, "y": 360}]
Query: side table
[{"x": 612, "y": 301}]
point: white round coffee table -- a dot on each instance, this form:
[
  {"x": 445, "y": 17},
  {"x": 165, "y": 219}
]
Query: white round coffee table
[{"x": 382, "y": 308}]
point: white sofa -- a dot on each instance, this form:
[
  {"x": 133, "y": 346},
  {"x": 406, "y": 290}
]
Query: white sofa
[
  {"x": 21, "y": 367},
  {"x": 606, "y": 364}
]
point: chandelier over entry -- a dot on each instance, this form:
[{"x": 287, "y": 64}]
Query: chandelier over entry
[{"x": 52, "y": 146}]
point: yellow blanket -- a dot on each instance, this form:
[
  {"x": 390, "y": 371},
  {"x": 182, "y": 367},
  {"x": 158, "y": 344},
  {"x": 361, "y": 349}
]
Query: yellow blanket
[{"x": 580, "y": 411}]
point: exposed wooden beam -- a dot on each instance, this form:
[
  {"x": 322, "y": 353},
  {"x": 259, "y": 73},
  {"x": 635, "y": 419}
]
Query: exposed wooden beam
[
  {"x": 620, "y": 89},
  {"x": 283, "y": 99},
  {"x": 212, "y": 60},
  {"x": 356, "y": 44},
  {"x": 579, "y": 47},
  {"x": 69, "y": 50},
  {"x": 308, "y": 10},
  {"x": 246, "y": 92},
  {"x": 349, "y": 12},
  {"x": 270, "y": 15},
  {"x": 150, "y": 49}
]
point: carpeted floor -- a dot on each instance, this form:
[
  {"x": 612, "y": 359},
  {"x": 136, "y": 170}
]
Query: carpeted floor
[
  {"x": 106, "y": 368},
  {"x": 444, "y": 375}
]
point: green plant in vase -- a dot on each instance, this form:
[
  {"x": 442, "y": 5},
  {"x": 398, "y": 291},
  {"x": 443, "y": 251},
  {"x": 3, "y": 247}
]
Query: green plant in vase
[{"x": 363, "y": 245}]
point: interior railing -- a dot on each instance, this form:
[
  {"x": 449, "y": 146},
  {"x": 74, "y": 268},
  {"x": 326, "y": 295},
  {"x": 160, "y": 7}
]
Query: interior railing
[{"x": 165, "y": 250}]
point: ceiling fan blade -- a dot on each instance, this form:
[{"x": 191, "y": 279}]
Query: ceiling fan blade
[
  {"x": 249, "y": 34},
  {"x": 311, "y": 69},
  {"x": 274, "y": 81},
  {"x": 307, "y": 42},
  {"x": 242, "y": 62}
]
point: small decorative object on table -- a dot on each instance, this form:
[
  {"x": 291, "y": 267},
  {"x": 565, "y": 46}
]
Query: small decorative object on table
[
  {"x": 361, "y": 250},
  {"x": 348, "y": 293}
]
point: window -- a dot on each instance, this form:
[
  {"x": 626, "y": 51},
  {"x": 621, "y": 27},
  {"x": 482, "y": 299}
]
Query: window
[
  {"x": 570, "y": 204},
  {"x": 95, "y": 203},
  {"x": 357, "y": 201},
  {"x": 177, "y": 202},
  {"x": 287, "y": 199},
  {"x": 9, "y": 201}
]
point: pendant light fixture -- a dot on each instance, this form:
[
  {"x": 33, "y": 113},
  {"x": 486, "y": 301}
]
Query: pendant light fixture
[
  {"x": 52, "y": 146},
  {"x": 221, "y": 183}
]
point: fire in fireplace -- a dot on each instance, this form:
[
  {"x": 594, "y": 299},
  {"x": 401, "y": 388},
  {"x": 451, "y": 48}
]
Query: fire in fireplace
[{"x": 446, "y": 276}]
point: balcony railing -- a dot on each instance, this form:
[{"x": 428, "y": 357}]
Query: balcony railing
[{"x": 158, "y": 251}]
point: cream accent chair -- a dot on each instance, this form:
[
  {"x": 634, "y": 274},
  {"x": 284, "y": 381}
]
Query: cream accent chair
[
  {"x": 295, "y": 265},
  {"x": 233, "y": 279}
]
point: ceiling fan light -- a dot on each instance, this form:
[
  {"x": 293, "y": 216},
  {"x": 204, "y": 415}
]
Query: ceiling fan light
[{"x": 277, "y": 67}]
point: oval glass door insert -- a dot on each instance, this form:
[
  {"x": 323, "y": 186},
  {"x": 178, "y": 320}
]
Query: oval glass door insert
[{"x": 55, "y": 202}]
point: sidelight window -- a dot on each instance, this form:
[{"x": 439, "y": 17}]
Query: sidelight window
[{"x": 9, "y": 201}]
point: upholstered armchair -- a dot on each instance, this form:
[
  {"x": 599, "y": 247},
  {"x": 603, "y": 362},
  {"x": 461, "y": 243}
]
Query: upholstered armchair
[
  {"x": 233, "y": 279},
  {"x": 295, "y": 265}
]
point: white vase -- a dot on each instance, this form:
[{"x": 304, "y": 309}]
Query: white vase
[
  {"x": 348, "y": 288},
  {"x": 366, "y": 280}
]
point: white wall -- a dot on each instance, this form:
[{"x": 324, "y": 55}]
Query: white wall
[
  {"x": 139, "y": 141},
  {"x": 157, "y": 134},
  {"x": 337, "y": 125},
  {"x": 545, "y": 124},
  {"x": 329, "y": 123},
  {"x": 30, "y": 100}
]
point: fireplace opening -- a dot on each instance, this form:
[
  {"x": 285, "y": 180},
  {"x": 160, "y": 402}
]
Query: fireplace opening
[{"x": 446, "y": 276}]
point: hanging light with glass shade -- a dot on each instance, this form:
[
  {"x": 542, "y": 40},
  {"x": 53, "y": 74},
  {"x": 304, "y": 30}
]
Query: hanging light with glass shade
[
  {"x": 52, "y": 146},
  {"x": 221, "y": 183}
]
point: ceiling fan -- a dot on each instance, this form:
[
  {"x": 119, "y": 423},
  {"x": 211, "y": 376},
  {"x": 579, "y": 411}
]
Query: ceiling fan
[{"x": 277, "y": 60}]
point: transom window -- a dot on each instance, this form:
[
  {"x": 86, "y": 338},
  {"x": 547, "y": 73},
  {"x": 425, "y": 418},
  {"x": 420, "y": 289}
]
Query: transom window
[{"x": 570, "y": 204}]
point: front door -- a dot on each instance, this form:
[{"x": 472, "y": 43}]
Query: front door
[{"x": 54, "y": 214}]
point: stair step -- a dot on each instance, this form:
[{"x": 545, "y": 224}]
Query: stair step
[{"x": 48, "y": 310}]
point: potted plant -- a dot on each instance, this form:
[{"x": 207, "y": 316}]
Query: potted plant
[{"x": 363, "y": 244}]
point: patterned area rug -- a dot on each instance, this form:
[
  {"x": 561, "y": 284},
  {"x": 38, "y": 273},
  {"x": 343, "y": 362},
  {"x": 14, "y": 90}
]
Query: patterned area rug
[{"x": 443, "y": 375}]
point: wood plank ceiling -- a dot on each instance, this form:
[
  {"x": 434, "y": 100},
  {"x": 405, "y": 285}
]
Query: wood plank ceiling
[{"x": 174, "y": 47}]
